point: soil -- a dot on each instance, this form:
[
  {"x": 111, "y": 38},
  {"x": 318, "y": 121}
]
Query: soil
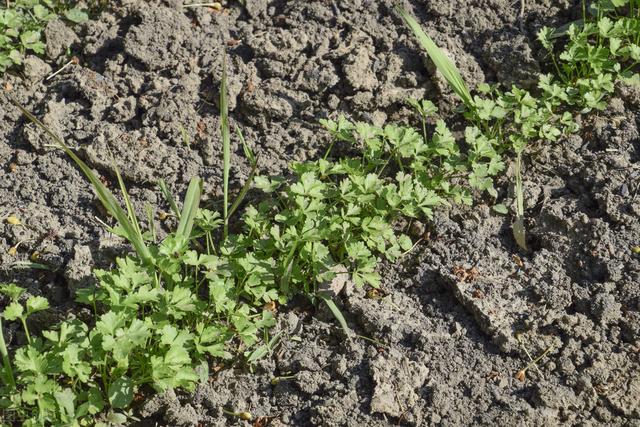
[{"x": 454, "y": 321}]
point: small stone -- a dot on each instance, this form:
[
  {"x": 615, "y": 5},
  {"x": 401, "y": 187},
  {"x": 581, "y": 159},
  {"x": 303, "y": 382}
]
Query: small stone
[
  {"x": 59, "y": 38},
  {"x": 333, "y": 102},
  {"x": 358, "y": 70},
  {"x": 624, "y": 190},
  {"x": 396, "y": 380},
  {"x": 332, "y": 288},
  {"x": 35, "y": 68}
]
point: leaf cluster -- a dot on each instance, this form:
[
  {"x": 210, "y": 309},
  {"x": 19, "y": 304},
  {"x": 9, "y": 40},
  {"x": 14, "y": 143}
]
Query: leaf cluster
[{"x": 22, "y": 24}]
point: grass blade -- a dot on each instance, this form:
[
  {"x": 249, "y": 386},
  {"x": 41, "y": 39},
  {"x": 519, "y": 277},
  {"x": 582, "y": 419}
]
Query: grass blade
[
  {"x": 167, "y": 195},
  {"x": 106, "y": 197},
  {"x": 8, "y": 377},
  {"x": 245, "y": 147},
  {"x": 288, "y": 269},
  {"x": 226, "y": 143},
  {"x": 243, "y": 191},
  {"x": 254, "y": 165},
  {"x": 446, "y": 67},
  {"x": 131, "y": 213},
  {"x": 189, "y": 208},
  {"x": 337, "y": 313},
  {"x": 151, "y": 221}
]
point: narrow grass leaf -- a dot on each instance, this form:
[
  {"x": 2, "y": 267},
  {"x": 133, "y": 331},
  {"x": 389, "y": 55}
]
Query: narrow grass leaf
[
  {"x": 244, "y": 190},
  {"x": 7, "y": 374},
  {"x": 446, "y": 67},
  {"x": 167, "y": 195},
  {"x": 288, "y": 268},
  {"x": 245, "y": 147},
  {"x": 226, "y": 143},
  {"x": 263, "y": 350},
  {"x": 254, "y": 165},
  {"x": 131, "y": 213},
  {"x": 106, "y": 197},
  {"x": 190, "y": 207},
  {"x": 151, "y": 221},
  {"x": 337, "y": 313},
  {"x": 31, "y": 265}
]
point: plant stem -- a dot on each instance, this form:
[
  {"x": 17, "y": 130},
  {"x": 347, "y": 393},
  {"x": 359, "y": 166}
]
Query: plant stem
[
  {"x": 23, "y": 320},
  {"x": 6, "y": 363}
]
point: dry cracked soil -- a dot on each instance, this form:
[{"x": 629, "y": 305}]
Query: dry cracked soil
[{"x": 453, "y": 322}]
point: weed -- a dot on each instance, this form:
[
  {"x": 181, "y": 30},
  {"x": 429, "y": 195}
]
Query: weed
[{"x": 439, "y": 58}]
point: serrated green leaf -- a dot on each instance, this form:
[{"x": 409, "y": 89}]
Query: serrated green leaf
[
  {"x": 36, "y": 303},
  {"x": 120, "y": 392},
  {"x": 13, "y": 311}
]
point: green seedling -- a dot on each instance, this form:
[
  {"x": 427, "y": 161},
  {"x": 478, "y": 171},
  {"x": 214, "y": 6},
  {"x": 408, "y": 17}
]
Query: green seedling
[
  {"x": 598, "y": 53},
  {"x": 30, "y": 265},
  {"x": 425, "y": 109},
  {"x": 13, "y": 292},
  {"x": 7, "y": 371},
  {"x": 189, "y": 209},
  {"x": 167, "y": 194},
  {"x": 337, "y": 313},
  {"x": 17, "y": 311},
  {"x": 254, "y": 167},
  {"x": 151, "y": 221},
  {"x": 260, "y": 352},
  {"x": 185, "y": 136}
]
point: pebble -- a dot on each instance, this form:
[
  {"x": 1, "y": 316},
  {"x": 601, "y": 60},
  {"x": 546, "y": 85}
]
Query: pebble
[{"x": 624, "y": 190}]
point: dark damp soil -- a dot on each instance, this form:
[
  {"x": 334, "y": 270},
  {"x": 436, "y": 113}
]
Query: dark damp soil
[{"x": 453, "y": 319}]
